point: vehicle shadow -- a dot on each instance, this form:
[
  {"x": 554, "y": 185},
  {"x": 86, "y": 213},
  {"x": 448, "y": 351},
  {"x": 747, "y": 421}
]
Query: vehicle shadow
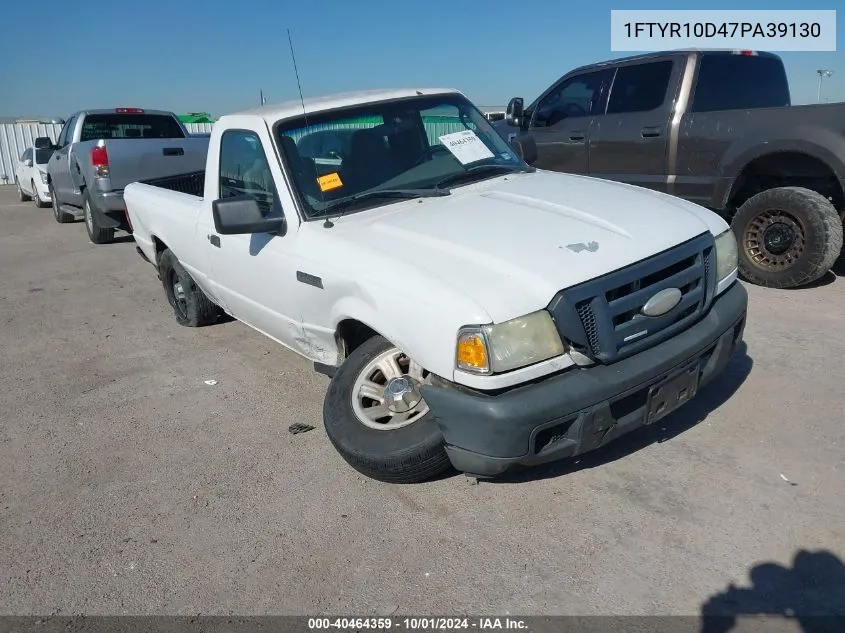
[
  {"x": 709, "y": 398},
  {"x": 811, "y": 593}
]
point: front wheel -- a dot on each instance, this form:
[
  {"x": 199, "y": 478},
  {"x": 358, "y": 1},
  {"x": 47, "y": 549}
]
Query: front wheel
[
  {"x": 788, "y": 237},
  {"x": 96, "y": 233},
  {"x": 377, "y": 419},
  {"x": 36, "y": 197},
  {"x": 60, "y": 216}
]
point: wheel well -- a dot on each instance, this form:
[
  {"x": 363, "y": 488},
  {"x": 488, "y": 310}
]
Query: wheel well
[
  {"x": 351, "y": 334},
  {"x": 786, "y": 169},
  {"x": 160, "y": 248}
]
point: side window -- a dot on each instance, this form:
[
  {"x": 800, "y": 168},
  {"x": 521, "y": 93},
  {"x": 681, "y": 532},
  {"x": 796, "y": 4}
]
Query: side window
[
  {"x": 67, "y": 133},
  {"x": 640, "y": 87},
  {"x": 739, "y": 82},
  {"x": 576, "y": 97},
  {"x": 245, "y": 170},
  {"x": 28, "y": 154}
]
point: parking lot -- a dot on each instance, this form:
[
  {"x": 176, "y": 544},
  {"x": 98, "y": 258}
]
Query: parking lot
[{"x": 129, "y": 485}]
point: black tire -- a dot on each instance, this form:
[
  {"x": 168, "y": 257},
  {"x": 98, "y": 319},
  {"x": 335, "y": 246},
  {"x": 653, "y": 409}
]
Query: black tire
[
  {"x": 39, "y": 203},
  {"x": 409, "y": 454},
  {"x": 96, "y": 233},
  {"x": 195, "y": 309},
  {"x": 60, "y": 216},
  {"x": 21, "y": 195},
  {"x": 801, "y": 218}
]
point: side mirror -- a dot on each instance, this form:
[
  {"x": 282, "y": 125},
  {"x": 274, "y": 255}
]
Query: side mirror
[
  {"x": 241, "y": 215},
  {"x": 514, "y": 112},
  {"x": 526, "y": 148},
  {"x": 28, "y": 162},
  {"x": 43, "y": 142}
]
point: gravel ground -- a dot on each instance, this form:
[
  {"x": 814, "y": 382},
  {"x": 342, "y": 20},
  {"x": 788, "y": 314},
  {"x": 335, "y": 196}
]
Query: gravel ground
[{"x": 131, "y": 486}]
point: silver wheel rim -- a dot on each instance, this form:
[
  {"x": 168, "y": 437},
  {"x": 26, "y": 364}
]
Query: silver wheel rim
[
  {"x": 89, "y": 221},
  {"x": 179, "y": 296},
  {"x": 20, "y": 190},
  {"x": 386, "y": 394},
  {"x": 36, "y": 198}
]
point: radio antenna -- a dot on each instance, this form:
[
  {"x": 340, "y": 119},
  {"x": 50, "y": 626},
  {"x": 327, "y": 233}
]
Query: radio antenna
[{"x": 328, "y": 223}]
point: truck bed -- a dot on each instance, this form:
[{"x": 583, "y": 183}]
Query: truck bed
[{"x": 190, "y": 183}]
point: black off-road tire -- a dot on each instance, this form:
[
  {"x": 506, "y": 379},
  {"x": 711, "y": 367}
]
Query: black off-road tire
[
  {"x": 60, "y": 216},
  {"x": 196, "y": 310},
  {"x": 21, "y": 195},
  {"x": 819, "y": 227},
  {"x": 410, "y": 454},
  {"x": 96, "y": 233}
]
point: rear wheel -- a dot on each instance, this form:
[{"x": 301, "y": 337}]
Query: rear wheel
[
  {"x": 96, "y": 233},
  {"x": 60, "y": 216},
  {"x": 788, "y": 237},
  {"x": 377, "y": 419},
  {"x": 190, "y": 305},
  {"x": 21, "y": 195}
]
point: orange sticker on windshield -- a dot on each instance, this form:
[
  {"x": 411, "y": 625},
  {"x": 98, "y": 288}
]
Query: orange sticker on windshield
[{"x": 329, "y": 181}]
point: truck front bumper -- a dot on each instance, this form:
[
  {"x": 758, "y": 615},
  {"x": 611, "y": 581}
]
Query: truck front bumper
[{"x": 582, "y": 409}]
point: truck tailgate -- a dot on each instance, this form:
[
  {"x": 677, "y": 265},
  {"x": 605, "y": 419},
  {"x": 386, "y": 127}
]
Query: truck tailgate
[{"x": 131, "y": 160}]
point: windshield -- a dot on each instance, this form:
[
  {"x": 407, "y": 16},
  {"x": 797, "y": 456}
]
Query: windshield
[{"x": 407, "y": 147}]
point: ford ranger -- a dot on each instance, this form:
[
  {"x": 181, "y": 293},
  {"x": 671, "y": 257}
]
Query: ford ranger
[
  {"x": 472, "y": 311},
  {"x": 716, "y": 128},
  {"x": 100, "y": 151}
]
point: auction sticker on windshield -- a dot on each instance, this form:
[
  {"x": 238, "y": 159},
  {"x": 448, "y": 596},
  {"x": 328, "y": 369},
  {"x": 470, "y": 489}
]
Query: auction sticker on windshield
[
  {"x": 329, "y": 181},
  {"x": 466, "y": 146}
]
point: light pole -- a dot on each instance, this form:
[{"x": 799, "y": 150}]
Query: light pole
[{"x": 822, "y": 73}]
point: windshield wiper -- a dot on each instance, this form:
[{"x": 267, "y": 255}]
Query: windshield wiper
[
  {"x": 479, "y": 170},
  {"x": 351, "y": 201}
]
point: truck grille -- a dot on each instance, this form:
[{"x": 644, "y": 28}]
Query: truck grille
[{"x": 602, "y": 318}]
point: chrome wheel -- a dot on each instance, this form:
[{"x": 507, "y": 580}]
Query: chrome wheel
[
  {"x": 180, "y": 302},
  {"x": 89, "y": 220},
  {"x": 386, "y": 394}
]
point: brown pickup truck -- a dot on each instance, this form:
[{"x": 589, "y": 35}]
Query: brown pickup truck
[{"x": 716, "y": 128}]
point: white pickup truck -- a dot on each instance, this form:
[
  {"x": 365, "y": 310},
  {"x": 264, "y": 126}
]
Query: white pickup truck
[{"x": 471, "y": 310}]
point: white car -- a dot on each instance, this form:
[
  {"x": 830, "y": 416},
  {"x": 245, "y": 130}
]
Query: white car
[
  {"x": 471, "y": 310},
  {"x": 31, "y": 176}
]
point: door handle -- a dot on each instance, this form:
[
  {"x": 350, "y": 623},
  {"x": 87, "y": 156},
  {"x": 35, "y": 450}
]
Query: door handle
[
  {"x": 577, "y": 136},
  {"x": 651, "y": 132},
  {"x": 215, "y": 240}
]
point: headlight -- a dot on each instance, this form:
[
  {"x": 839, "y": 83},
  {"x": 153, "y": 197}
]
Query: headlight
[
  {"x": 504, "y": 346},
  {"x": 43, "y": 177},
  {"x": 726, "y": 254}
]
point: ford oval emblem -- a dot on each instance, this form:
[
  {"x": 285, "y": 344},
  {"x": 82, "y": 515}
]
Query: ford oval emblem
[{"x": 662, "y": 302}]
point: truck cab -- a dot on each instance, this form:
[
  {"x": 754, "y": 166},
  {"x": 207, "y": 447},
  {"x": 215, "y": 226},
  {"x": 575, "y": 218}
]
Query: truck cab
[
  {"x": 472, "y": 311},
  {"x": 713, "y": 127}
]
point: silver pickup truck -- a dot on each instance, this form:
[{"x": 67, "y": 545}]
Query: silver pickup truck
[{"x": 99, "y": 152}]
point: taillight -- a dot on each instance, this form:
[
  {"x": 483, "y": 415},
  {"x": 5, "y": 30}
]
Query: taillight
[
  {"x": 129, "y": 110},
  {"x": 100, "y": 161}
]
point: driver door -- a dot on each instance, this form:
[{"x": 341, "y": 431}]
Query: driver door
[{"x": 560, "y": 122}]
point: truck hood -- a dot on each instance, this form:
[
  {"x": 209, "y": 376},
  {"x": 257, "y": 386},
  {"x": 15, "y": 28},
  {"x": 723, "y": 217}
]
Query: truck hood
[{"x": 510, "y": 244}]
